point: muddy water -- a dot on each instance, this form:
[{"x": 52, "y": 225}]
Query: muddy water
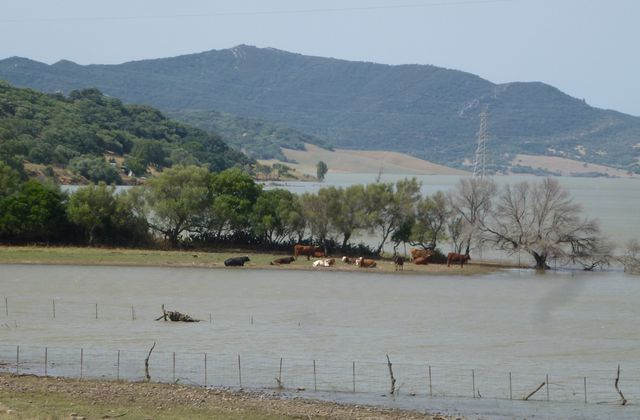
[{"x": 572, "y": 323}]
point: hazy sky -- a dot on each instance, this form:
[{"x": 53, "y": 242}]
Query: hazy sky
[{"x": 587, "y": 48}]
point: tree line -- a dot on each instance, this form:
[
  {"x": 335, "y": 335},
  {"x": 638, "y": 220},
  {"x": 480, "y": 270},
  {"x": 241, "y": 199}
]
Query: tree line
[{"x": 191, "y": 206}]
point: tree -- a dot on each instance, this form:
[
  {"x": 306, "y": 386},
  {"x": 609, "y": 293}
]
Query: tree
[
  {"x": 542, "y": 220},
  {"x": 631, "y": 257},
  {"x": 348, "y": 213},
  {"x": 470, "y": 203},
  {"x": 10, "y": 180},
  {"x": 91, "y": 208},
  {"x": 35, "y": 212},
  {"x": 321, "y": 170},
  {"x": 389, "y": 207},
  {"x": 316, "y": 211},
  {"x": 95, "y": 169},
  {"x": 234, "y": 194},
  {"x": 432, "y": 216},
  {"x": 276, "y": 215},
  {"x": 177, "y": 199}
]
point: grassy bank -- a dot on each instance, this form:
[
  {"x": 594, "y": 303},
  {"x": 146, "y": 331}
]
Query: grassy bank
[
  {"x": 30, "y": 397},
  {"x": 158, "y": 258}
]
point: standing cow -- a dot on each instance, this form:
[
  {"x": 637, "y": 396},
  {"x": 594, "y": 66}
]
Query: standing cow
[
  {"x": 308, "y": 250},
  {"x": 398, "y": 262},
  {"x": 454, "y": 257}
]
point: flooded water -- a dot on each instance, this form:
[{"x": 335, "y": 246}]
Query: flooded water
[{"x": 569, "y": 325}]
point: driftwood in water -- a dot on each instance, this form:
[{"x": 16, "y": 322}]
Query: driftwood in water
[
  {"x": 175, "y": 316},
  {"x": 536, "y": 390},
  {"x": 624, "y": 400},
  {"x": 146, "y": 363},
  {"x": 393, "y": 380}
]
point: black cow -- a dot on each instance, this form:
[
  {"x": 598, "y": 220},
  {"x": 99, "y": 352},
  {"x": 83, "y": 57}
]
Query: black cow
[{"x": 236, "y": 261}]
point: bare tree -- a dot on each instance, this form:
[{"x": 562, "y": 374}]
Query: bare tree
[
  {"x": 631, "y": 257},
  {"x": 541, "y": 219},
  {"x": 470, "y": 204}
]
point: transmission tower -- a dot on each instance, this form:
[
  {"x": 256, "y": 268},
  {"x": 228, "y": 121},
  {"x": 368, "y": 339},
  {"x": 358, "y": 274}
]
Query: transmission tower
[{"x": 479, "y": 166}]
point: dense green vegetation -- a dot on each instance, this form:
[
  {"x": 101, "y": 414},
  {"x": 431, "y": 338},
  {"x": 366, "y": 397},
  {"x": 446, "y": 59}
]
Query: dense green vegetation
[
  {"x": 78, "y": 131},
  {"x": 257, "y": 138},
  {"x": 427, "y": 111},
  {"x": 190, "y": 206}
]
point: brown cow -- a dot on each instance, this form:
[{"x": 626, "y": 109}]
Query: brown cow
[
  {"x": 283, "y": 260},
  {"x": 365, "y": 263},
  {"x": 421, "y": 261},
  {"x": 318, "y": 254},
  {"x": 398, "y": 262},
  {"x": 454, "y": 257},
  {"x": 308, "y": 250},
  {"x": 416, "y": 253}
]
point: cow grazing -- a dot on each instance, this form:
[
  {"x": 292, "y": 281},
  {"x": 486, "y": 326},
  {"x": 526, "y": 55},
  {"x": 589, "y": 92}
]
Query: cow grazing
[
  {"x": 416, "y": 253},
  {"x": 283, "y": 260},
  {"x": 365, "y": 263},
  {"x": 236, "y": 261},
  {"x": 421, "y": 261},
  {"x": 308, "y": 250},
  {"x": 454, "y": 257},
  {"x": 398, "y": 262},
  {"x": 327, "y": 262}
]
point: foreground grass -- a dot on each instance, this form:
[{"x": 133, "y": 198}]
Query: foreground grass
[
  {"x": 30, "y": 397},
  {"x": 140, "y": 257}
]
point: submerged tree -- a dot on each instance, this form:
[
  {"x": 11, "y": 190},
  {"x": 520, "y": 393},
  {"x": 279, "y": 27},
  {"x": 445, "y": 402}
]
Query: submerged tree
[{"x": 542, "y": 220}]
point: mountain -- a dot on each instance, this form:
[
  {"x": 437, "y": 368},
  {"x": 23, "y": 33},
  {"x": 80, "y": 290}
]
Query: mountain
[
  {"x": 78, "y": 131},
  {"x": 426, "y": 111}
]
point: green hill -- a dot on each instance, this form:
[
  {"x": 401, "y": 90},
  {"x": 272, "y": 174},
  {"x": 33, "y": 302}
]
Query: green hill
[
  {"x": 256, "y": 138},
  {"x": 78, "y": 131},
  {"x": 427, "y": 111}
]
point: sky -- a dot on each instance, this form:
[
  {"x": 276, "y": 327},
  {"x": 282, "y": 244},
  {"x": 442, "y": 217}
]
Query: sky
[{"x": 586, "y": 48}]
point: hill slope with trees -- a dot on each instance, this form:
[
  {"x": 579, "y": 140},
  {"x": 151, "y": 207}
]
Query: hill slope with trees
[
  {"x": 88, "y": 132},
  {"x": 427, "y": 111}
]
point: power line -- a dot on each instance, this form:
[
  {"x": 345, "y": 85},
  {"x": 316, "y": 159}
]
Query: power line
[{"x": 259, "y": 13}]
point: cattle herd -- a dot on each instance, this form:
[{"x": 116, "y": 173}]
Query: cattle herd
[{"x": 418, "y": 257}]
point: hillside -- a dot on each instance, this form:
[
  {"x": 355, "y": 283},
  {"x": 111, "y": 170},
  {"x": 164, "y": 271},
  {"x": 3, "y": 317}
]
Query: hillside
[
  {"x": 423, "y": 110},
  {"x": 78, "y": 131},
  {"x": 256, "y": 138}
]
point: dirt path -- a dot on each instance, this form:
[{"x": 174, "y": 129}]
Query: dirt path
[{"x": 52, "y": 398}]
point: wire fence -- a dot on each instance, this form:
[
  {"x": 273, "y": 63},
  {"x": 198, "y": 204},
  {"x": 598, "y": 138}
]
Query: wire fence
[{"x": 290, "y": 373}]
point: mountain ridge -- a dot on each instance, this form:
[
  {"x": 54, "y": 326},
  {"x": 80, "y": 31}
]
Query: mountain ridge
[{"x": 424, "y": 110}]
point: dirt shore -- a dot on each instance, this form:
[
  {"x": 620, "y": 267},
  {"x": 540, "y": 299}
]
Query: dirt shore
[
  {"x": 157, "y": 258},
  {"x": 31, "y": 397}
]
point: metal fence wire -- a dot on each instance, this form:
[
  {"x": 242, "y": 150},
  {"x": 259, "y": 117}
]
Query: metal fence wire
[{"x": 290, "y": 373}]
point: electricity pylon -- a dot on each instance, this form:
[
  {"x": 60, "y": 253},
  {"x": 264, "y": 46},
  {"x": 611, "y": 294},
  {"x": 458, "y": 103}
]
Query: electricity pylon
[{"x": 479, "y": 166}]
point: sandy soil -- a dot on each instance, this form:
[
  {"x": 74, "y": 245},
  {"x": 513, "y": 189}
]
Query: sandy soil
[
  {"x": 360, "y": 161},
  {"x": 86, "y": 399},
  {"x": 566, "y": 166}
]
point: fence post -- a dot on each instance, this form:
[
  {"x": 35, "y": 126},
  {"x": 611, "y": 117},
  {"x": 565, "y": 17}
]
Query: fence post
[
  {"x": 510, "y": 388},
  {"x": 205, "y": 369},
  {"x": 315, "y": 383},
  {"x": 118, "y": 367},
  {"x": 547, "y": 387},
  {"x": 251, "y": 319},
  {"x": 430, "y": 384},
  {"x": 6, "y": 307},
  {"x": 585, "y": 389},
  {"x": 96, "y": 311},
  {"x": 81, "y": 360},
  {"x": 210, "y": 318},
  {"x": 353, "y": 364},
  {"x": 239, "y": 371},
  {"x": 17, "y": 360},
  {"x": 133, "y": 313},
  {"x": 54, "y": 307},
  {"x": 45, "y": 361},
  {"x": 473, "y": 381},
  {"x": 174, "y": 367},
  {"x": 280, "y": 373}
]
